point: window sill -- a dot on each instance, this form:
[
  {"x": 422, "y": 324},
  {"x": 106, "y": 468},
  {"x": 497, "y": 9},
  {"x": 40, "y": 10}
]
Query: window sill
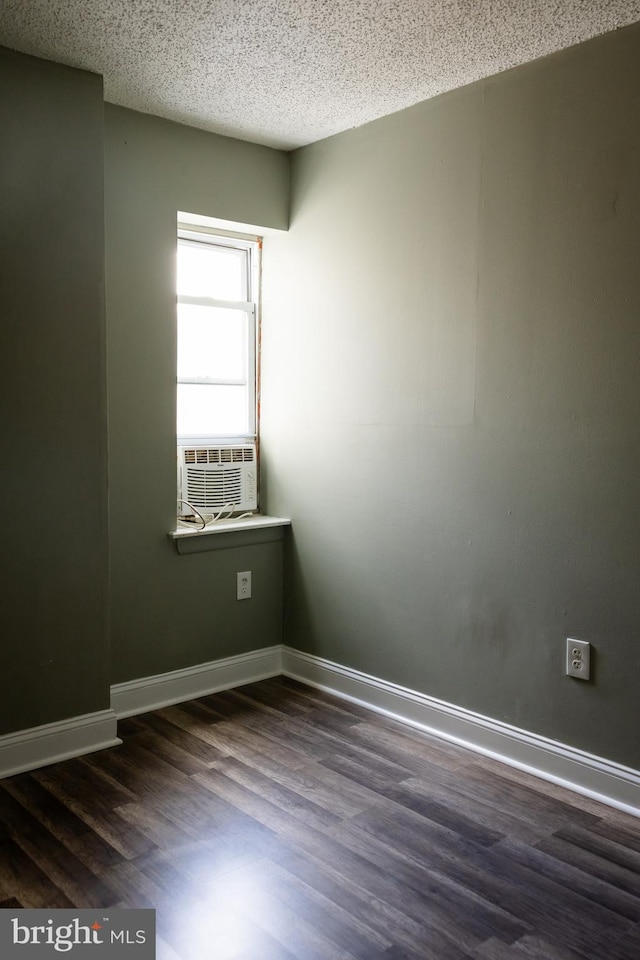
[{"x": 229, "y": 533}]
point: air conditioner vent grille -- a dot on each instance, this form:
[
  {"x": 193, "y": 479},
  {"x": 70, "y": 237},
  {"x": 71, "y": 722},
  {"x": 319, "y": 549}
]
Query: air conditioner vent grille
[
  {"x": 241, "y": 454},
  {"x": 213, "y": 491}
]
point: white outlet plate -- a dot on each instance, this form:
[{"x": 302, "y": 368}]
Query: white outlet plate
[
  {"x": 578, "y": 658},
  {"x": 243, "y": 585}
]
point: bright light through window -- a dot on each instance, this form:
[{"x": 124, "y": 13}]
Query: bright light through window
[
  {"x": 216, "y": 336},
  {"x": 209, "y": 270},
  {"x": 211, "y": 342}
]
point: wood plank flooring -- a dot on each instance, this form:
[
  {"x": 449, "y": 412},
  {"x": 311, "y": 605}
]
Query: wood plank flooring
[{"x": 275, "y": 822}]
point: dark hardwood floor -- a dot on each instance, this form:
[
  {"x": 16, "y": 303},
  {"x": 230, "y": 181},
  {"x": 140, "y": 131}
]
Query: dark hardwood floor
[{"x": 274, "y": 822}]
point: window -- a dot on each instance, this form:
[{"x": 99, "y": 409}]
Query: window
[{"x": 217, "y": 280}]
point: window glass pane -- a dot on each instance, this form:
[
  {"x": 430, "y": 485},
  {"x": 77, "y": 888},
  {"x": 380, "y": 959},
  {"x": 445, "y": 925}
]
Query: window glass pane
[
  {"x": 208, "y": 271},
  {"x": 210, "y": 409},
  {"x": 211, "y": 342}
]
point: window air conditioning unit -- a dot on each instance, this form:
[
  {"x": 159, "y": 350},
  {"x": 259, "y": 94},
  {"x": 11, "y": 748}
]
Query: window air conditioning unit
[{"x": 215, "y": 478}]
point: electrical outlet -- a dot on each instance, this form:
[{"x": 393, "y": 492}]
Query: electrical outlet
[
  {"x": 578, "y": 658},
  {"x": 243, "y": 585}
]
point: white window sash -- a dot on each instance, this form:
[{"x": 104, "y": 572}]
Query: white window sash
[{"x": 249, "y": 331}]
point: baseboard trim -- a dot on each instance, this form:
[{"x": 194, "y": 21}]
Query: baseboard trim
[
  {"x": 152, "y": 693},
  {"x": 584, "y": 773},
  {"x": 52, "y": 742},
  {"x": 596, "y": 777}
]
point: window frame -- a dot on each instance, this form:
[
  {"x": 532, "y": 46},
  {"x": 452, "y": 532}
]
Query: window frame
[{"x": 252, "y": 245}]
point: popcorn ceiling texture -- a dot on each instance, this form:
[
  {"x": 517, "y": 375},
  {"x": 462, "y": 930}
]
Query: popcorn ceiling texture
[{"x": 289, "y": 72}]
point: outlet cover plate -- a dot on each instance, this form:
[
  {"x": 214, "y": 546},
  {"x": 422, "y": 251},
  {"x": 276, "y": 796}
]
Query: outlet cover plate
[
  {"x": 578, "y": 658},
  {"x": 243, "y": 585}
]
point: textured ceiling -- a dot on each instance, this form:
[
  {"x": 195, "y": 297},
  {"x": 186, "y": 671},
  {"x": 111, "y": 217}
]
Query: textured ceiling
[{"x": 289, "y": 72}]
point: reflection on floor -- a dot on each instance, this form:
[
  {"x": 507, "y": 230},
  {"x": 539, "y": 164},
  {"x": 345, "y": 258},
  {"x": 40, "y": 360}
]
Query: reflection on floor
[{"x": 274, "y": 822}]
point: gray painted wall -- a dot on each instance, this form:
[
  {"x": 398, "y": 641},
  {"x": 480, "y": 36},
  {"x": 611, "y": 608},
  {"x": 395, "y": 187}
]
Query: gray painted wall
[
  {"x": 170, "y": 611},
  {"x": 53, "y": 589},
  {"x": 167, "y": 611},
  {"x": 450, "y": 395}
]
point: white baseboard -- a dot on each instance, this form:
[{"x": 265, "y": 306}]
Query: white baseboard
[
  {"x": 52, "y": 742},
  {"x": 582, "y": 772},
  {"x": 164, "y": 689},
  {"x": 592, "y": 776}
]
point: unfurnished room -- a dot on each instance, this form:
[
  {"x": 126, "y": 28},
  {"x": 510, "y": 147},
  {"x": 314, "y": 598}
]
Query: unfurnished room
[{"x": 321, "y": 450}]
